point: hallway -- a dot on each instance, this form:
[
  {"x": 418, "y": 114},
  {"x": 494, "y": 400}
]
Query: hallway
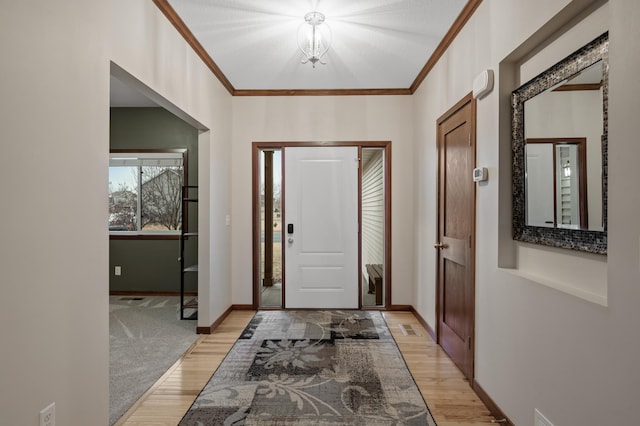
[{"x": 447, "y": 393}]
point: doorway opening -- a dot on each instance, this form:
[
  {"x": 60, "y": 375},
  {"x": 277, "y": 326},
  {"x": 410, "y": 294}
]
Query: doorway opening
[
  {"x": 272, "y": 238},
  {"x": 144, "y": 233}
]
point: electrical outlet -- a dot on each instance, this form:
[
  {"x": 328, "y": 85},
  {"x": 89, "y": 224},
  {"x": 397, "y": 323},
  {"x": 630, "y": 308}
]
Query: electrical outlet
[
  {"x": 541, "y": 420},
  {"x": 48, "y": 415},
  {"x": 118, "y": 270}
]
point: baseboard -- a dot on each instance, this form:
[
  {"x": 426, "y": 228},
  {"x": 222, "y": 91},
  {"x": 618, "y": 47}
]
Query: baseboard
[
  {"x": 425, "y": 324},
  {"x": 491, "y": 405},
  {"x": 399, "y": 308},
  {"x": 215, "y": 324},
  {"x": 242, "y": 307}
]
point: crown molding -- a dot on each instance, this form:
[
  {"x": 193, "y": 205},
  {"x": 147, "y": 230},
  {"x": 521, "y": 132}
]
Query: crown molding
[{"x": 323, "y": 92}]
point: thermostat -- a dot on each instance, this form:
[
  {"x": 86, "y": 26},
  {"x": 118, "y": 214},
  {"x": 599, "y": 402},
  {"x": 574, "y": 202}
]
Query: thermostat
[{"x": 480, "y": 174}]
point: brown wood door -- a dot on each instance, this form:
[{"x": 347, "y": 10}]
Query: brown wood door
[{"x": 456, "y": 233}]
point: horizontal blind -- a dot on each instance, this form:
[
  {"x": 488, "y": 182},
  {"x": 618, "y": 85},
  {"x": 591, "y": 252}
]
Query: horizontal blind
[{"x": 157, "y": 159}]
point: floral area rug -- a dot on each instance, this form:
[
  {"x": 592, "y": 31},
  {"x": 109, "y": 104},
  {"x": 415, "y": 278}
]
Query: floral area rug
[{"x": 312, "y": 368}]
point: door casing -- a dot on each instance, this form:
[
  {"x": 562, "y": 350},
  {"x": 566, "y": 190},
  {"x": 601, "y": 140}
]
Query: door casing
[{"x": 259, "y": 146}]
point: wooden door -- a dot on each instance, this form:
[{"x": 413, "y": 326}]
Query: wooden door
[
  {"x": 456, "y": 234},
  {"x": 321, "y": 227}
]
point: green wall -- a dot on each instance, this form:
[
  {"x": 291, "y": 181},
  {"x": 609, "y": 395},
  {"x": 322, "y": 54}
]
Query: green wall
[{"x": 153, "y": 265}]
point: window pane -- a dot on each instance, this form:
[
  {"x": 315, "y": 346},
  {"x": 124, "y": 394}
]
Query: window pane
[
  {"x": 161, "y": 205},
  {"x": 123, "y": 198}
]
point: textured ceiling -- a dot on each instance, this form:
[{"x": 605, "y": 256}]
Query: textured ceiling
[{"x": 376, "y": 44}]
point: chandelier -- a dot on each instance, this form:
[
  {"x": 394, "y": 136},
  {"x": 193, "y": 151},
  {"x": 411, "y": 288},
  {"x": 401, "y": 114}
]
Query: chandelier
[{"x": 314, "y": 39}]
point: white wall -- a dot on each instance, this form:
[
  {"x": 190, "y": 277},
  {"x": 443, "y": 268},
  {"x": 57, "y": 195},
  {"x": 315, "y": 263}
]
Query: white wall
[
  {"x": 620, "y": 350},
  {"x": 537, "y": 347},
  {"x": 322, "y": 118},
  {"x": 54, "y": 109},
  {"x": 54, "y": 85}
]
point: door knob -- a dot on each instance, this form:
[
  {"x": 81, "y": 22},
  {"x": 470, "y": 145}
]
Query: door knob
[
  {"x": 290, "y": 240},
  {"x": 440, "y": 246}
]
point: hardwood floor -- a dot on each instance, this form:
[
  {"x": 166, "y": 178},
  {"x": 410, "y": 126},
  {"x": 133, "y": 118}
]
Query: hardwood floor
[{"x": 447, "y": 393}]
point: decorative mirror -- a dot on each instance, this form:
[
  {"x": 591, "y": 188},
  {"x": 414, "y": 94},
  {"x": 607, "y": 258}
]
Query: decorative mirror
[{"x": 559, "y": 143}]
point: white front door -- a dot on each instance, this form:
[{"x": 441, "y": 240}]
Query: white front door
[
  {"x": 321, "y": 227},
  {"x": 539, "y": 181}
]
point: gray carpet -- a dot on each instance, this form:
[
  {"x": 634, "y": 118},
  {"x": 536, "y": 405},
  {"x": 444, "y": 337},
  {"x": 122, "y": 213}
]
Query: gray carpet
[
  {"x": 146, "y": 337},
  {"x": 313, "y": 368}
]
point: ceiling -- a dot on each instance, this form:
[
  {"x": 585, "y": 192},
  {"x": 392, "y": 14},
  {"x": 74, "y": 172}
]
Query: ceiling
[{"x": 377, "y": 45}]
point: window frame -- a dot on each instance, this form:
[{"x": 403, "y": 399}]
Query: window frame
[{"x": 154, "y": 235}]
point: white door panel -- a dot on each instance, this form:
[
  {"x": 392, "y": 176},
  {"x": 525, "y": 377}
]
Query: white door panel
[
  {"x": 321, "y": 202},
  {"x": 539, "y": 182}
]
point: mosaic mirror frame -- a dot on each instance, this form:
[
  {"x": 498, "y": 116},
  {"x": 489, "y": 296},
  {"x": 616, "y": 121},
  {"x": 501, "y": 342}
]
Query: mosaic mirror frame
[{"x": 575, "y": 239}]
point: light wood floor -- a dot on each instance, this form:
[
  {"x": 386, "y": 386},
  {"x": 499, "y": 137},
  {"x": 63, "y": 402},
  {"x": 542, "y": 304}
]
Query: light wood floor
[{"x": 447, "y": 393}]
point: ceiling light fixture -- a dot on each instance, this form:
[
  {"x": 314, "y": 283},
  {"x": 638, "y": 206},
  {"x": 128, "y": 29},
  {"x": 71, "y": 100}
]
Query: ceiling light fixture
[{"x": 314, "y": 41}]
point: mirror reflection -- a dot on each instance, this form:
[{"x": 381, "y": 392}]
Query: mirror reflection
[
  {"x": 555, "y": 178},
  {"x": 563, "y": 149},
  {"x": 559, "y": 152}
]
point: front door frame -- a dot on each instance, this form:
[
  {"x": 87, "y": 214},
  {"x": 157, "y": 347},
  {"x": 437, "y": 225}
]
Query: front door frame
[{"x": 255, "y": 201}]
